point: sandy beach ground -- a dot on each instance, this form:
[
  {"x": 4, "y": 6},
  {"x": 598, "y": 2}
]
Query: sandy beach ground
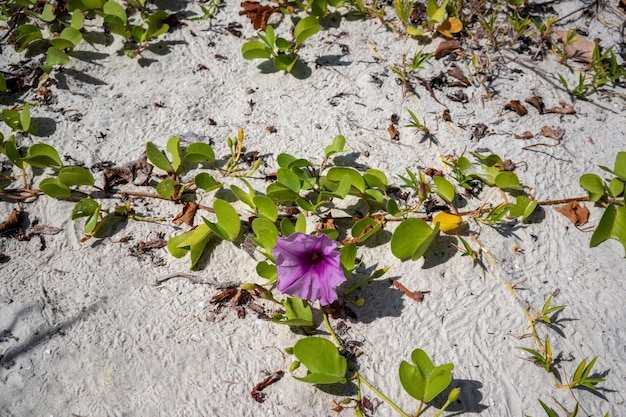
[{"x": 85, "y": 330}]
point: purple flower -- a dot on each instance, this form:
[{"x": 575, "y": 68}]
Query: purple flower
[{"x": 308, "y": 267}]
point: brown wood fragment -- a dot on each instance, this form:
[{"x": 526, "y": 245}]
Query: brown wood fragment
[
  {"x": 266, "y": 382},
  {"x": 12, "y": 222},
  {"x": 414, "y": 295},
  {"x": 562, "y": 109}
]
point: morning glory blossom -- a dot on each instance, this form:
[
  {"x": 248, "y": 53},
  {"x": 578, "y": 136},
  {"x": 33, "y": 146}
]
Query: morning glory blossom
[{"x": 308, "y": 267}]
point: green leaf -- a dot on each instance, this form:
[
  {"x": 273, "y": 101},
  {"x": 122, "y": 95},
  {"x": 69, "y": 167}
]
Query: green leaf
[
  {"x": 549, "y": 411},
  {"x": 301, "y": 223},
  {"x": 255, "y": 50},
  {"x": 267, "y": 271},
  {"x": 75, "y": 175},
  {"x": 356, "y": 180},
  {"x": 195, "y": 241},
  {"x": 24, "y": 35},
  {"x": 281, "y": 193},
  {"x": 266, "y": 233},
  {"x": 173, "y": 147},
  {"x": 13, "y": 154},
  {"x": 619, "y": 168},
  {"x": 594, "y": 186},
  {"x": 227, "y": 218},
  {"x": 41, "y": 155},
  {"x": 523, "y": 206},
  {"x": 422, "y": 380},
  {"x": 445, "y": 189},
  {"x": 114, "y": 8},
  {"x": 318, "y": 8},
  {"x": 86, "y": 207},
  {"x": 77, "y": 20},
  {"x": 178, "y": 246},
  {"x": 508, "y": 180},
  {"x": 12, "y": 119},
  {"x": 167, "y": 188},
  {"x": 339, "y": 142},
  {"x": 348, "y": 257},
  {"x": 47, "y": 14},
  {"x": 297, "y": 313},
  {"x": 365, "y": 228},
  {"x": 616, "y": 187},
  {"x": 375, "y": 178},
  {"x": 3, "y": 83},
  {"x": 322, "y": 359},
  {"x": 54, "y": 188},
  {"x": 392, "y": 208},
  {"x": 25, "y": 118},
  {"x": 157, "y": 158},
  {"x": 436, "y": 14},
  {"x": 288, "y": 178},
  {"x": 71, "y": 35},
  {"x": 282, "y": 44},
  {"x": 286, "y": 227},
  {"x": 412, "y": 238},
  {"x": 206, "y": 182},
  {"x": 305, "y": 28},
  {"x": 56, "y": 56},
  {"x": 269, "y": 37},
  {"x": 605, "y": 227},
  {"x": 266, "y": 207},
  {"x": 199, "y": 152},
  {"x": 285, "y": 62}
]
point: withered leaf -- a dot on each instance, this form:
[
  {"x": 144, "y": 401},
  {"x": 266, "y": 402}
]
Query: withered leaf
[
  {"x": 536, "y": 102},
  {"x": 446, "y": 115},
  {"x": 187, "y": 214},
  {"x": 525, "y": 135},
  {"x": 446, "y": 48},
  {"x": 480, "y": 131},
  {"x": 12, "y": 222},
  {"x": 555, "y": 133},
  {"x": 151, "y": 244},
  {"x": 135, "y": 172},
  {"x": 579, "y": 215},
  {"x": 258, "y": 14},
  {"x": 517, "y": 107},
  {"x": 563, "y": 109},
  {"x": 394, "y": 134},
  {"x": 459, "y": 96},
  {"x": 457, "y": 73}
]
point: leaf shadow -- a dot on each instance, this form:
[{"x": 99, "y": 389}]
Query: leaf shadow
[
  {"x": 469, "y": 398},
  {"x": 42, "y": 126},
  {"x": 439, "y": 252},
  {"x": 42, "y": 335},
  {"x": 381, "y": 300}
]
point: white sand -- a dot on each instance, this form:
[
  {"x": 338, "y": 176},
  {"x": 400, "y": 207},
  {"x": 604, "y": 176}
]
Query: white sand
[{"x": 88, "y": 333}]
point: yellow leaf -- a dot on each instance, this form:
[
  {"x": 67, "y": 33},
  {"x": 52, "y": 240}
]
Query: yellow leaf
[
  {"x": 450, "y": 26},
  {"x": 448, "y": 223}
]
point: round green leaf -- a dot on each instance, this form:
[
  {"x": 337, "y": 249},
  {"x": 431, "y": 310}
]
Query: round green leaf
[
  {"x": 199, "y": 152},
  {"x": 594, "y": 186},
  {"x": 339, "y": 142},
  {"x": 255, "y": 50},
  {"x": 56, "y": 56},
  {"x": 266, "y": 207},
  {"x": 75, "y": 176},
  {"x": 41, "y": 155},
  {"x": 616, "y": 187},
  {"x": 285, "y": 62},
  {"x": 72, "y": 35},
  {"x": 375, "y": 178},
  {"x": 305, "y": 28},
  {"x": 55, "y": 188},
  {"x": 167, "y": 188},
  {"x": 266, "y": 233},
  {"x": 24, "y": 35},
  {"x": 445, "y": 189},
  {"x": 508, "y": 180},
  {"x": 365, "y": 228},
  {"x": 206, "y": 182},
  {"x": 412, "y": 238},
  {"x": 322, "y": 359},
  {"x": 356, "y": 180},
  {"x": 114, "y": 8},
  {"x": 85, "y": 208},
  {"x": 266, "y": 270},
  {"x": 179, "y": 245}
]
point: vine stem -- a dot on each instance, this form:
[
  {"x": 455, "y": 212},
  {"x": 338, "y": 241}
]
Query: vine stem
[{"x": 360, "y": 378}]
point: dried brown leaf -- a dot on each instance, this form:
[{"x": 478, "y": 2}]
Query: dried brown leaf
[
  {"x": 525, "y": 135},
  {"x": 563, "y": 109},
  {"x": 446, "y": 48},
  {"x": 258, "y": 14},
  {"x": 536, "y": 102},
  {"x": 457, "y": 73},
  {"x": 394, "y": 134},
  {"x": 187, "y": 214},
  {"x": 555, "y": 133},
  {"x": 578, "y": 215},
  {"x": 12, "y": 222},
  {"x": 517, "y": 107}
]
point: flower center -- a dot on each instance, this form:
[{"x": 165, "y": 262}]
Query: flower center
[{"x": 316, "y": 258}]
